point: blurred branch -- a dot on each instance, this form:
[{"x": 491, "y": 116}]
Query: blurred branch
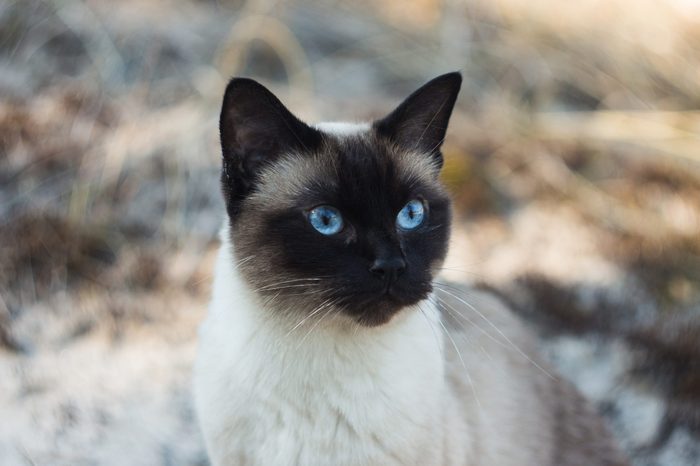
[
  {"x": 104, "y": 54},
  {"x": 674, "y": 134},
  {"x": 598, "y": 203},
  {"x": 175, "y": 127},
  {"x": 257, "y": 24}
]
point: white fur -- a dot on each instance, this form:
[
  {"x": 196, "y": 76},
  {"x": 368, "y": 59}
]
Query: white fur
[
  {"x": 342, "y": 128},
  {"x": 331, "y": 395}
]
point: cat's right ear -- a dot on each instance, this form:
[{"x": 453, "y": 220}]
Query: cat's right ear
[
  {"x": 420, "y": 122},
  {"x": 256, "y": 129}
]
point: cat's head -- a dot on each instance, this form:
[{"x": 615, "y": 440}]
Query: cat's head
[{"x": 337, "y": 218}]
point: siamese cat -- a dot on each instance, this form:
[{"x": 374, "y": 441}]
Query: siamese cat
[{"x": 328, "y": 339}]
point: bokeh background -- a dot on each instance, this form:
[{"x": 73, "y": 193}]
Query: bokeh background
[{"x": 573, "y": 157}]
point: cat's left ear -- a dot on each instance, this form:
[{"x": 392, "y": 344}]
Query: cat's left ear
[{"x": 420, "y": 122}]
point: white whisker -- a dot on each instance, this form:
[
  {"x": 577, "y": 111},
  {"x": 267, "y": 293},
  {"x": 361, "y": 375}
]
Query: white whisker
[
  {"x": 294, "y": 280},
  {"x": 311, "y": 314},
  {"x": 505, "y": 337},
  {"x": 330, "y": 309},
  {"x": 430, "y": 324},
  {"x": 464, "y": 365},
  {"x": 240, "y": 262},
  {"x": 285, "y": 287},
  {"x": 456, "y": 315}
]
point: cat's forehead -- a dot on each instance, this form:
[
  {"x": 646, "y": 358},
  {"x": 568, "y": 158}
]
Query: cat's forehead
[
  {"x": 342, "y": 128},
  {"x": 352, "y": 158}
]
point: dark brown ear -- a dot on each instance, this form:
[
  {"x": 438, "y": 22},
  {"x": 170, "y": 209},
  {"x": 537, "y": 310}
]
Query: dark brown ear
[
  {"x": 420, "y": 122},
  {"x": 256, "y": 129}
]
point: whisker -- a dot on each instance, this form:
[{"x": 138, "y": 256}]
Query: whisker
[
  {"x": 305, "y": 293},
  {"x": 432, "y": 328},
  {"x": 469, "y": 272},
  {"x": 330, "y": 309},
  {"x": 294, "y": 280},
  {"x": 271, "y": 299},
  {"x": 285, "y": 287},
  {"x": 469, "y": 321},
  {"x": 297, "y": 282},
  {"x": 455, "y": 314},
  {"x": 240, "y": 262},
  {"x": 311, "y": 314},
  {"x": 505, "y": 337},
  {"x": 464, "y": 365}
]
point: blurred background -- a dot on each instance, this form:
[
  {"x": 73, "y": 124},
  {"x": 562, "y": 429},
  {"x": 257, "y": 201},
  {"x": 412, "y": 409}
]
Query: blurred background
[{"x": 573, "y": 157}]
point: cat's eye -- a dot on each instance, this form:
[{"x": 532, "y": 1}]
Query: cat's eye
[
  {"x": 326, "y": 219},
  {"x": 411, "y": 216}
]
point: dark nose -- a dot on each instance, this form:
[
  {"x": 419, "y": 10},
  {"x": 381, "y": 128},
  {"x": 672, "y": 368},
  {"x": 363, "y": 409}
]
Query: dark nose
[{"x": 388, "y": 268}]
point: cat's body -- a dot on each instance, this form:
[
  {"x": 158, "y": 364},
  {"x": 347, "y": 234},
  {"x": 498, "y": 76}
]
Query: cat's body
[{"x": 399, "y": 375}]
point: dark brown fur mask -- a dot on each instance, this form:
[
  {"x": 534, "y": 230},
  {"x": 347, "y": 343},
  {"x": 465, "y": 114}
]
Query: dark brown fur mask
[{"x": 323, "y": 221}]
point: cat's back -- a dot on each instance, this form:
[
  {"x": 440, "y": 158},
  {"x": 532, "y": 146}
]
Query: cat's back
[{"x": 521, "y": 411}]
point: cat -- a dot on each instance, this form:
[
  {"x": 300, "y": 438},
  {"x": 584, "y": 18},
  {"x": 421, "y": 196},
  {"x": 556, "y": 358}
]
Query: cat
[{"x": 328, "y": 341}]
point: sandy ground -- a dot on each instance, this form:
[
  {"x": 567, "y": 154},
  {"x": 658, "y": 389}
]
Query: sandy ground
[{"x": 85, "y": 396}]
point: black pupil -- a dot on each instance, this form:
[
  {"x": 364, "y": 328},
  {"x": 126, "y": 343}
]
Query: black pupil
[{"x": 326, "y": 219}]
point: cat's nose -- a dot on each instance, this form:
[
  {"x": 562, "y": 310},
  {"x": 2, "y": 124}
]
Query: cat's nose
[{"x": 388, "y": 268}]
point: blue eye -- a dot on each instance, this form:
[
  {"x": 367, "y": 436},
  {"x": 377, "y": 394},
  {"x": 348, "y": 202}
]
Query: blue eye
[
  {"x": 411, "y": 216},
  {"x": 326, "y": 219}
]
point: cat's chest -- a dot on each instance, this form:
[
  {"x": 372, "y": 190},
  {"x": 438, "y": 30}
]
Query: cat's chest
[
  {"x": 300, "y": 425},
  {"x": 267, "y": 404}
]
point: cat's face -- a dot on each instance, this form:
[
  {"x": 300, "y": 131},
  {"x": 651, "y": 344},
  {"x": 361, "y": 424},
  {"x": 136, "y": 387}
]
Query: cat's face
[{"x": 352, "y": 221}]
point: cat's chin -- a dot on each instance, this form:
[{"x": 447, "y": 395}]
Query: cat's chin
[
  {"x": 382, "y": 307},
  {"x": 376, "y": 319},
  {"x": 382, "y": 311}
]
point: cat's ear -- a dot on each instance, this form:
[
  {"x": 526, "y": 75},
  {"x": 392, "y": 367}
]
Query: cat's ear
[
  {"x": 420, "y": 122},
  {"x": 256, "y": 129}
]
